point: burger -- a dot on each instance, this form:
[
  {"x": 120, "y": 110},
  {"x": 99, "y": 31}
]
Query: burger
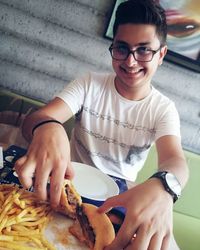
[{"x": 92, "y": 228}]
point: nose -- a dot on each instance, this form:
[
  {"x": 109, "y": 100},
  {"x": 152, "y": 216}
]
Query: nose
[{"x": 131, "y": 59}]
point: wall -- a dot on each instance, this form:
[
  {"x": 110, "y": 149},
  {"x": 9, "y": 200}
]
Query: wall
[{"x": 46, "y": 43}]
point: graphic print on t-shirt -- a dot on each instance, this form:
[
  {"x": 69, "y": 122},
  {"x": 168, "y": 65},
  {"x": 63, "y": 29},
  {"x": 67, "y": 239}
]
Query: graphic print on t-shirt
[{"x": 135, "y": 154}]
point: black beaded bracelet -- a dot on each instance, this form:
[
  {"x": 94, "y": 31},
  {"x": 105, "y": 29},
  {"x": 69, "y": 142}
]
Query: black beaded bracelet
[{"x": 44, "y": 122}]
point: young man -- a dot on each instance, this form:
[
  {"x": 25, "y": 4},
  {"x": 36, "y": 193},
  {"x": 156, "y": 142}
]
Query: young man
[{"x": 118, "y": 117}]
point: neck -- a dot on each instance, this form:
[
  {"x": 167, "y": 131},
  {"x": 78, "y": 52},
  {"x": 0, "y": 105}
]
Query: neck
[{"x": 135, "y": 93}]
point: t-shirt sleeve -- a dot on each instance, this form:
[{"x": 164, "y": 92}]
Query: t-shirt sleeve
[
  {"x": 168, "y": 122},
  {"x": 74, "y": 93}
]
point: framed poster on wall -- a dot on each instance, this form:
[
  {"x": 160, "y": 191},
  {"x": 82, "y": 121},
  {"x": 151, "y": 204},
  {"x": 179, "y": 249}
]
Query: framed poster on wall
[{"x": 183, "y": 39}]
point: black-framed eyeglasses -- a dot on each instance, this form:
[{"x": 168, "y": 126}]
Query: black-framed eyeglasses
[{"x": 141, "y": 54}]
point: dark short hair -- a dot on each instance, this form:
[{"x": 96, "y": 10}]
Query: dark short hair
[{"x": 142, "y": 12}]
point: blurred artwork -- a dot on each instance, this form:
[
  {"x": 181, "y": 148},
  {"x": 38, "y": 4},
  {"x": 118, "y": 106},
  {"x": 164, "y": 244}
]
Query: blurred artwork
[{"x": 183, "y": 20}]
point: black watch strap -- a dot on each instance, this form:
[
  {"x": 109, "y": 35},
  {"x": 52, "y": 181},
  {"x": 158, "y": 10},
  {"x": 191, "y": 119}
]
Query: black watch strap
[{"x": 162, "y": 176}]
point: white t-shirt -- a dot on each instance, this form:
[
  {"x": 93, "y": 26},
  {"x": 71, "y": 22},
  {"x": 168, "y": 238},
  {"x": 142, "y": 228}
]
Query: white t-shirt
[{"x": 112, "y": 133}]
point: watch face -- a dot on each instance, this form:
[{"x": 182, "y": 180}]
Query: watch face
[{"x": 173, "y": 183}]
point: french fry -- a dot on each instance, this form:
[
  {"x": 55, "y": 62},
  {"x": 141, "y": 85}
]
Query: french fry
[
  {"x": 3, "y": 222},
  {"x": 19, "y": 228},
  {"x": 6, "y": 238},
  {"x": 22, "y": 220},
  {"x": 13, "y": 246}
]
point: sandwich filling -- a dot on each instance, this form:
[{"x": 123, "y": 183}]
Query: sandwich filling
[
  {"x": 69, "y": 200},
  {"x": 85, "y": 226},
  {"x": 70, "y": 196}
]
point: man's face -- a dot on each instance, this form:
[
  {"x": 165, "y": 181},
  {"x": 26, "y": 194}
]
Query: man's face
[{"x": 131, "y": 74}]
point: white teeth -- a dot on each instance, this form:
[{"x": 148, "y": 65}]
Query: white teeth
[{"x": 133, "y": 71}]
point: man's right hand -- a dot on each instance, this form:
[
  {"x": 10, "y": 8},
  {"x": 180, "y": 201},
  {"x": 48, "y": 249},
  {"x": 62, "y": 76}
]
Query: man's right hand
[{"x": 48, "y": 156}]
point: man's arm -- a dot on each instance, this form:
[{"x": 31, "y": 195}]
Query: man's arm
[
  {"x": 56, "y": 109},
  {"x": 48, "y": 154}
]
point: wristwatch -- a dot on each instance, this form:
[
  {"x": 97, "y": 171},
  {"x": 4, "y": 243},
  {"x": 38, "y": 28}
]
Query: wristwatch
[{"x": 170, "y": 183}]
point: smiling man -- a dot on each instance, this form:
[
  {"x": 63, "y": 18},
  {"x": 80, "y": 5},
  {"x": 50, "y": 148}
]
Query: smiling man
[{"x": 118, "y": 117}]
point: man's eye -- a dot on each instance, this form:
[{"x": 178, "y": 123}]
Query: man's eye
[
  {"x": 122, "y": 50},
  {"x": 143, "y": 50}
]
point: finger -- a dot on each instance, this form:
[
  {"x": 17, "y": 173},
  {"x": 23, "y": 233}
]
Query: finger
[
  {"x": 123, "y": 239},
  {"x": 110, "y": 247},
  {"x": 20, "y": 162},
  {"x": 131, "y": 245},
  {"x": 25, "y": 169},
  {"x": 69, "y": 174},
  {"x": 106, "y": 206},
  {"x": 142, "y": 238},
  {"x": 155, "y": 242},
  {"x": 169, "y": 243},
  {"x": 42, "y": 174},
  {"x": 56, "y": 183},
  {"x": 114, "y": 201}
]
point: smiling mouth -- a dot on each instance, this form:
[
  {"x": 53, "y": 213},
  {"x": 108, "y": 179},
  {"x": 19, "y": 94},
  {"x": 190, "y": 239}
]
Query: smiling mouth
[{"x": 132, "y": 71}]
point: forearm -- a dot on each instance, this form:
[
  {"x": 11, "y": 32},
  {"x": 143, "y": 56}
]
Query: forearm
[
  {"x": 171, "y": 158},
  {"x": 31, "y": 121},
  {"x": 177, "y": 166},
  {"x": 55, "y": 110}
]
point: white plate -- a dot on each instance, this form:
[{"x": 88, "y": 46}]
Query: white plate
[
  {"x": 58, "y": 235},
  {"x": 93, "y": 184}
]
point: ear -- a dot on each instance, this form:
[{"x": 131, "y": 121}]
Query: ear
[{"x": 163, "y": 52}]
